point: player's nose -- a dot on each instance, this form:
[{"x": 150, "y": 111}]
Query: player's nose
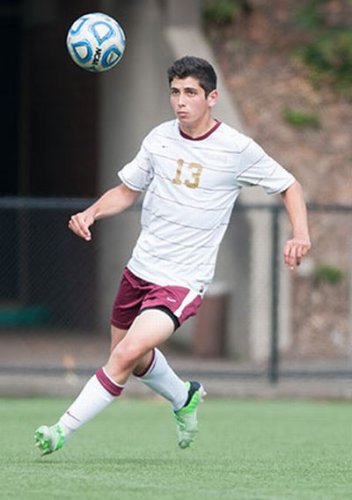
[{"x": 181, "y": 101}]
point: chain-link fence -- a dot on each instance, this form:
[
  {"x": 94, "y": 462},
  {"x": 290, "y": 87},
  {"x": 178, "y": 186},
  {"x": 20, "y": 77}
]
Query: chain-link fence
[
  {"x": 47, "y": 280},
  {"x": 51, "y": 281},
  {"x": 321, "y": 301}
]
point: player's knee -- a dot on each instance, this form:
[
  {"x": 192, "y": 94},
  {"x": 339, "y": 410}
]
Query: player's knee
[{"x": 125, "y": 355}]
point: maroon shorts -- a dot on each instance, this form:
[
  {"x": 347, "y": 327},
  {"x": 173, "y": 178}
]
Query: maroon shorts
[{"x": 135, "y": 295}]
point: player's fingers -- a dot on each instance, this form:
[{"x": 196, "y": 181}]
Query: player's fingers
[
  {"x": 287, "y": 255},
  {"x": 301, "y": 250},
  {"x": 305, "y": 248},
  {"x": 299, "y": 254},
  {"x": 78, "y": 225},
  {"x": 292, "y": 254}
]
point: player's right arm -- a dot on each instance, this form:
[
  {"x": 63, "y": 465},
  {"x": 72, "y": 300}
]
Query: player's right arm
[{"x": 112, "y": 202}]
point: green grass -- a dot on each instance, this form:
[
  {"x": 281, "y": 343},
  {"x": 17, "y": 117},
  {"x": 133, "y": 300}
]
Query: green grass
[{"x": 245, "y": 450}]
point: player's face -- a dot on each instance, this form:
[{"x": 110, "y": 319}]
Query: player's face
[{"x": 189, "y": 102}]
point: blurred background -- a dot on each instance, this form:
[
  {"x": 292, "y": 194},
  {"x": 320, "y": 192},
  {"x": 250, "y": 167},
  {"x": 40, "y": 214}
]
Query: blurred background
[{"x": 285, "y": 79}]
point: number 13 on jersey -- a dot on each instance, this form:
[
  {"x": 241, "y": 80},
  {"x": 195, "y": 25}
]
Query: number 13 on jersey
[{"x": 194, "y": 170}]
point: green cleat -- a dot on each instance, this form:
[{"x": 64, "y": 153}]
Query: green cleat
[
  {"x": 186, "y": 417},
  {"x": 49, "y": 439}
]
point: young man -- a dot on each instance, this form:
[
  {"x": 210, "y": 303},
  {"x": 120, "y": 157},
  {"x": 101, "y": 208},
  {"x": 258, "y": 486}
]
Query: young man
[{"x": 191, "y": 169}]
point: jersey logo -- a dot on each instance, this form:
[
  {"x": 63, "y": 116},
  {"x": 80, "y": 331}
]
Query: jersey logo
[
  {"x": 187, "y": 174},
  {"x": 170, "y": 299}
]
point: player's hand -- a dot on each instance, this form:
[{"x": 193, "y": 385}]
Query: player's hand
[
  {"x": 294, "y": 251},
  {"x": 80, "y": 223}
]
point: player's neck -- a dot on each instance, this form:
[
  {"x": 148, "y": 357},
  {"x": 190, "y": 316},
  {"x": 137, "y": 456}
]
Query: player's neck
[{"x": 199, "y": 129}]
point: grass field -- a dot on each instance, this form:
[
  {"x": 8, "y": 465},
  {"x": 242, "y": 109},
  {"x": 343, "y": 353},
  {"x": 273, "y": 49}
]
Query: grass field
[{"x": 245, "y": 450}]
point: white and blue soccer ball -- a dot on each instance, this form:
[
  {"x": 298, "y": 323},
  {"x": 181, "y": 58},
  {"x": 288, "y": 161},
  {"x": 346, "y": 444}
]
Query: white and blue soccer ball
[{"x": 96, "y": 42}]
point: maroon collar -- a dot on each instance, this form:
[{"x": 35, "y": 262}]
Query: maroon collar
[{"x": 201, "y": 137}]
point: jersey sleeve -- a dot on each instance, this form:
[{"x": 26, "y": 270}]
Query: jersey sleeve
[
  {"x": 257, "y": 168},
  {"x": 138, "y": 174}
]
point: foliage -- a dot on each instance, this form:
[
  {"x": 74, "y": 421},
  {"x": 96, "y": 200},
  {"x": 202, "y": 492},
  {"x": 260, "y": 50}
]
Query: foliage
[
  {"x": 221, "y": 11},
  {"x": 299, "y": 118},
  {"x": 331, "y": 54},
  {"x": 328, "y": 273},
  {"x": 330, "y": 50},
  {"x": 310, "y": 16}
]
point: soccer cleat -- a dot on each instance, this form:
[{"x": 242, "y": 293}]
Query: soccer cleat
[
  {"x": 49, "y": 439},
  {"x": 186, "y": 417}
]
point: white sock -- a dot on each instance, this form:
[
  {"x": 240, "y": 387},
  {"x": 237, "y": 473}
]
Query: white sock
[
  {"x": 96, "y": 395},
  {"x": 161, "y": 378}
]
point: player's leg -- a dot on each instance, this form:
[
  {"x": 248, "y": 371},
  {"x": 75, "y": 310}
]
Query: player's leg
[
  {"x": 184, "y": 396},
  {"x": 98, "y": 393},
  {"x": 108, "y": 382},
  {"x": 179, "y": 303},
  {"x": 152, "y": 369},
  {"x": 157, "y": 374},
  {"x": 150, "y": 328},
  {"x": 117, "y": 334},
  {"x": 52, "y": 438}
]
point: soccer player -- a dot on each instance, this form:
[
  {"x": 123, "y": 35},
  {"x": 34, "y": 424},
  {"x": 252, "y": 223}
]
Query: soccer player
[{"x": 192, "y": 170}]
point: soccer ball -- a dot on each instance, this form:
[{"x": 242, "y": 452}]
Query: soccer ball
[{"x": 96, "y": 42}]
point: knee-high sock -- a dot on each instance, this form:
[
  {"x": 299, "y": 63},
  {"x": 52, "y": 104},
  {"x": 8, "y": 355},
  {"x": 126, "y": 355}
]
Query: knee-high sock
[
  {"x": 160, "y": 377},
  {"x": 96, "y": 395}
]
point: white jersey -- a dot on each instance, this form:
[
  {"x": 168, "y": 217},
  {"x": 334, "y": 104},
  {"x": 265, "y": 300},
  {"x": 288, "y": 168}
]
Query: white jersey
[{"x": 191, "y": 186}]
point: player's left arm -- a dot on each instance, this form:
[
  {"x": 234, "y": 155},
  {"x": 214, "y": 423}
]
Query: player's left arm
[
  {"x": 112, "y": 202},
  {"x": 299, "y": 245}
]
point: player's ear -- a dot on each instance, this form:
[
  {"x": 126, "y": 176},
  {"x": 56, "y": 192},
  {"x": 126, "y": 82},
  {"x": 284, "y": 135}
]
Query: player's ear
[{"x": 212, "y": 98}]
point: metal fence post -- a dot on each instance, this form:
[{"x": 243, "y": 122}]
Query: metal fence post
[{"x": 273, "y": 372}]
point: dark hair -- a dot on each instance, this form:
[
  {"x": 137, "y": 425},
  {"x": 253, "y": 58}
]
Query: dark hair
[{"x": 199, "y": 68}]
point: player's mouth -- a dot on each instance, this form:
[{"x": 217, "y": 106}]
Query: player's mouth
[{"x": 182, "y": 114}]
